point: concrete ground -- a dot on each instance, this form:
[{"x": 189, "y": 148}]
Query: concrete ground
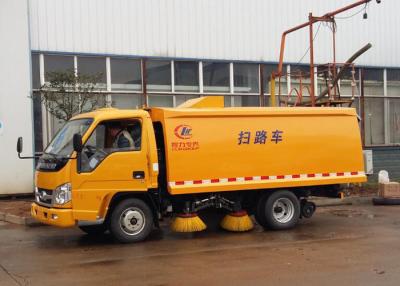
[{"x": 345, "y": 245}]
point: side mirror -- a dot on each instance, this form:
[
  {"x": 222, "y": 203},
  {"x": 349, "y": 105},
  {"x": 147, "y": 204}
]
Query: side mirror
[
  {"x": 19, "y": 145},
  {"x": 77, "y": 142}
]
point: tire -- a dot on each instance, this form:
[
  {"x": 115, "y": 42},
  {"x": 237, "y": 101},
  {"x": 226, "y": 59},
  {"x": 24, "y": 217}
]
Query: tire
[
  {"x": 307, "y": 209},
  {"x": 259, "y": 214},
  {"x": 386, "y": 201},
  {"x": 131, "y": 221},
  {"x": 279, "y": 210},
  {"x": 96, "y": 229}
]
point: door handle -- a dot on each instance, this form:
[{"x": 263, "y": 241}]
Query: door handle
[{"x": 138, "y": 175}]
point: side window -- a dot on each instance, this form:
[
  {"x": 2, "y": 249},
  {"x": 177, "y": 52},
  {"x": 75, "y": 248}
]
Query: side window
[{"x": 110, "y": 137}]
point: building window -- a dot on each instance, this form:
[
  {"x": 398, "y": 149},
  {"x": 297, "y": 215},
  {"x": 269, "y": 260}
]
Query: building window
[
  {"x": 186, "y": 76},
  {"x": 346, "y": 88},
  {"x": 158, "y": 75},
  {"x": 35, "y": 71},
  {"x": 246, "y": 100},
  {"x": 37, "y": 121},
  {"x": 246, "y": 78},
  {"x": 393, "y": 74},
  {"x": 394, "y": 120},
  {"x": 160, "y": 100},
  {"x": 324, "y": 72},
  {"x": 374, "y": 122},
  {"x": 182, "y": 98},
  {"x": 393, "y": 82},
  {"x": 280, "y": 82},
  {"x": 393, "y": 91},
  {"x": 57, "y": 67},
  {"x": 125, "y": 74},
  {"x": 373, "y": 82},
  {"x": 94, "y": 66},
  {"x": 126, "y": 101},
  {"x": 58, "y": 63},
  {"x": 216, "y": 77},
  {"x": 267, "y": 72},
  {"x": 373, "y": 74},
  {"x": 228, "y": 101},
  {"x": 299, "y": 73}
]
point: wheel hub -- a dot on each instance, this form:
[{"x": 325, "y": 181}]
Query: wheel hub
[
  {"x": 283, "y": 210},
  {"x": 132, "y": 221}
]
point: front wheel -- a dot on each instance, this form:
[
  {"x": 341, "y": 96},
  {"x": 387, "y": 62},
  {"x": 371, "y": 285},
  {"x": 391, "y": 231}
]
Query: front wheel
[
  {"x": 280, "y": 210},
  {"x": 131, "y": 221}
]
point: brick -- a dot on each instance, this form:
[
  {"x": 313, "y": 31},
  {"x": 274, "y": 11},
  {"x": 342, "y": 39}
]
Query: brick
[{"x": 389, "y": 190}]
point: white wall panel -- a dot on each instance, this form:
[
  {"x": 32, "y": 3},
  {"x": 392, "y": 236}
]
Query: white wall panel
[
  {"x": 16, "y": 176},
  {"x": 208, "y": 29}
]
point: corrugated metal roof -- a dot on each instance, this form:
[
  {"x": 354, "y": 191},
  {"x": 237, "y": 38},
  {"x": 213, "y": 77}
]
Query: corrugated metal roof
[{"x": 209, "y": 29}]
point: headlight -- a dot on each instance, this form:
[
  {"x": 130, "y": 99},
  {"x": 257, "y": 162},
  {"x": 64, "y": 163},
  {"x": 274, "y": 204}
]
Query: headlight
[{"x": 62, "y": 194}]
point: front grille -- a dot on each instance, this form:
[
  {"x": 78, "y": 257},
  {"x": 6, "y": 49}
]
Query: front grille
[{"x": 44, "y": 196}]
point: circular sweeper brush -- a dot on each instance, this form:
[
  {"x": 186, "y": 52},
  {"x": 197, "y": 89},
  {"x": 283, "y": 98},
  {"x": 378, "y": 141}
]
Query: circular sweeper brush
[
  {"x": 187, "y": 222},
  {"x": 237, "y": 221}
]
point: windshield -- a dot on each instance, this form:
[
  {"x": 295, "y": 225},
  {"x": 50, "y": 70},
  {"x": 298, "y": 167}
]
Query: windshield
[{"x": 62, "y": 145}]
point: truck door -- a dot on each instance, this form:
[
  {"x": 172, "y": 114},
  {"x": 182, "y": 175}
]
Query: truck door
[{"x": 113, "y": 159}]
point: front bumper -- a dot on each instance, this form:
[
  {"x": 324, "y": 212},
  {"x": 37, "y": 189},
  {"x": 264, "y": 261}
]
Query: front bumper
[{"x": 52, "y": 216}]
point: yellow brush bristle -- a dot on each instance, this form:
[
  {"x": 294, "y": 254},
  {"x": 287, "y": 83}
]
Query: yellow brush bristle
[
  {"x": 237, "y": 223},
  {"x": 188, "y": 224}
]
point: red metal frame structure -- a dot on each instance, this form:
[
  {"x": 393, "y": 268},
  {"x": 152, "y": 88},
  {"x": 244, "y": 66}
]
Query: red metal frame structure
[{"x": 329, "y": 17}]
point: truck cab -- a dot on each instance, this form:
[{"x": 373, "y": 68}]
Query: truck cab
[{"x": 118, "y": 156}]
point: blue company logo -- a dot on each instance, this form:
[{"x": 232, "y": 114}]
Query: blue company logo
[{"x": 183, "y": 131}]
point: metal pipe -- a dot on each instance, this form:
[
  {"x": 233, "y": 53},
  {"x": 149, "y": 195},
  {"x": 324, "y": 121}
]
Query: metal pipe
[
  {"x": 342, "y": 70},
  {"x": 326, "y": 17},
  {"x": 310, "y": 17},
  {"x": 261, "y": 81},
  {"x": 272, "y": 93},
  {"x": 279, "y": 91},
  {"x": 335, "y": 91},
  {"x": 345, "y": 8},
  {"x": 283, "y": 40},
  {"x": 362, "y": 107},
  {"x": 144, "y": 83}
]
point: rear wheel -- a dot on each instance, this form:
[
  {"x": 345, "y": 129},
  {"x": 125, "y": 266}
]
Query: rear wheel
[
  {"x": 260, "y": 210},
  {"x": 97, "y": 229},
  {"x": 279, "y": 210},
  {"x": 131, "y": 221}
]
